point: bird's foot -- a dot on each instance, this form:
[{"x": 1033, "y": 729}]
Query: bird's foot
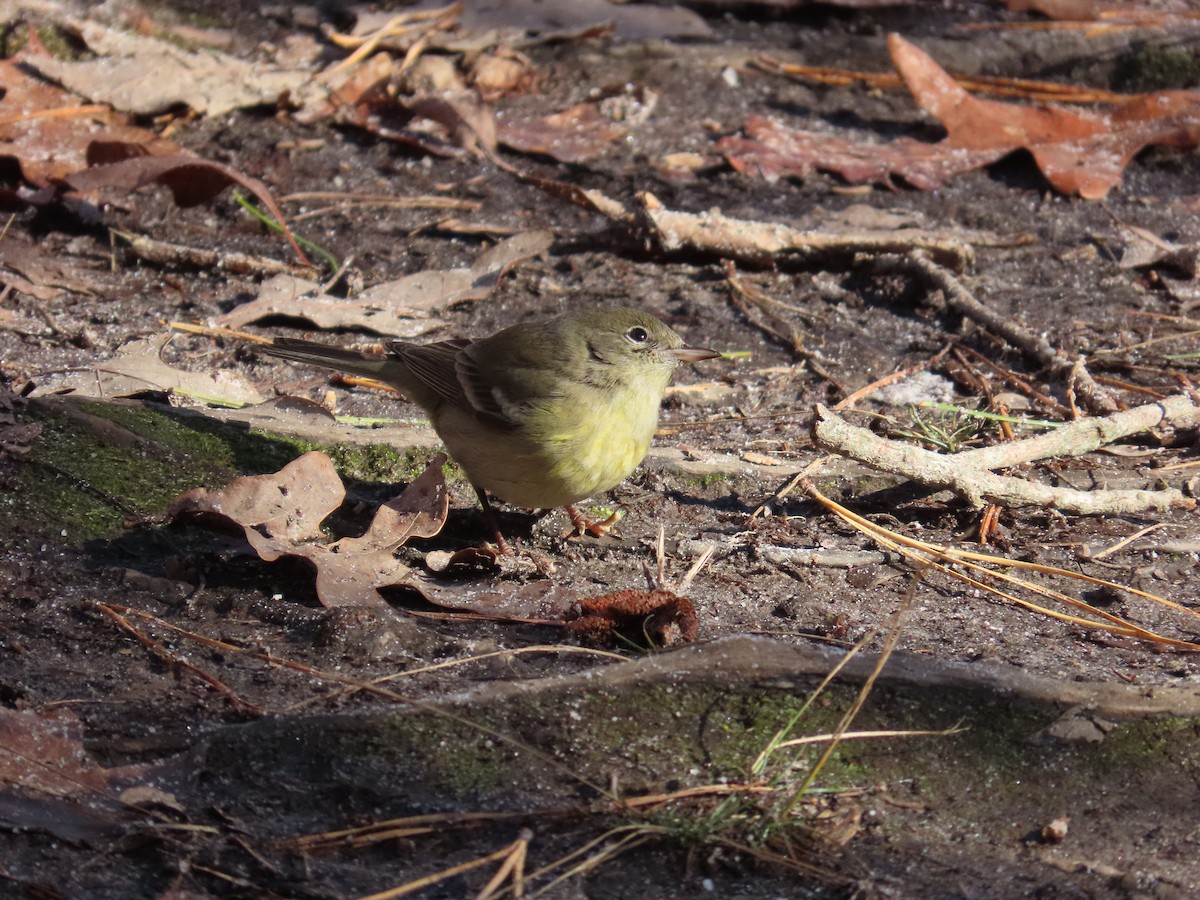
[{"x": 599, "y": 528}]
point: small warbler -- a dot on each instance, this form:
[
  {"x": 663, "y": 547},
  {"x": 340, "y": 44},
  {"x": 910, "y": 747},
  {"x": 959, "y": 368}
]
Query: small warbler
[{"x": 542, "y": 414}]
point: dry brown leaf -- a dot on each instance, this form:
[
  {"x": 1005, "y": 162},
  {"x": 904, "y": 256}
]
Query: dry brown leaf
[
  {"x": 191, "y": 179},
  {"x": 584, "y": 131},
  {"x": 46, "y": 272},
  {"x": 443, "y": 123},
  {"x": 571, "y": 136},
  {"x": 49, "y": 782},
  {"x": 397, "y": 308},
  {"x": 281, "y": 515},
  {"x": 771, "y": 150},
  {"x": 591, "y": 200},
  {"x": 45, "y": 753},
  {"x": 538, "y": 601},
  {"x": 469, "y": 122},
  {"x": 447, "y": 122},
  {"x": 333, "y": 94},
  {"x": 299, "y": 298},
  {"x": 145, "y": 76},
  {"x": 48, "y": 130},
  {"x": 648, "y": 619},
  {"x": 1142, "y": 249},
  {"x": 138, "y": 367},
  {"x": 1078, "y": 153}
]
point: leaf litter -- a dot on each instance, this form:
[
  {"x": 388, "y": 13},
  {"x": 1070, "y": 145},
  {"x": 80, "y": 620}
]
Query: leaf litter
[
  {"x": 49, "y": 782},
  {"x": 400, "y": 308},
  {"x": 457, "y": 120},
  {"x": 138, "y": 367},
  {"x": 145, "y": 75},
  {"x": 47, "y": 130},
  {"x": 1078, "y": 153},
  {"x": 282, "y": 514}
]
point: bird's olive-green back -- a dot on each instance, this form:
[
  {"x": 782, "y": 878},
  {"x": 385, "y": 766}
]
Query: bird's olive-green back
[{"x": 509, "y": 375}]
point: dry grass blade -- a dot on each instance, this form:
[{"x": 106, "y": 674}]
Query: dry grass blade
[
  {"x": 514, "y": 867},
  {"x": 863, "y": 736},
  {"x": 1125, "y": 542},
  {"x": 704, "y": 790},
  {"x": 787, "y": 860},
  {"x": 1023, "y": 88},
  {"x": 633, "y": 835},
  {"x": 404, "y": 24},
  {"x": 437, "y": 877},
  {"x": 760, "y": 763},
  {"x": 376, "y": 832},
  {"x": 932, "y": 555},
  {"x": 215, "y": 332},
  {"x": 843, "y": 727}
]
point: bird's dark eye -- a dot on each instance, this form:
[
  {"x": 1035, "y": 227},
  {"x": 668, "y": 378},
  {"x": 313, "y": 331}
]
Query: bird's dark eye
[{"x": 638, "y": 334}]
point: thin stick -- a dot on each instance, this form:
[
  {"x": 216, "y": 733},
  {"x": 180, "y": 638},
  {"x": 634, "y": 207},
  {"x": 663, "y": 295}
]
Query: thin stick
[{"x": 1035, "y": 347}]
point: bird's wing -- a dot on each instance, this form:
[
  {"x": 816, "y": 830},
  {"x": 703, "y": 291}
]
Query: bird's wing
[
  {"x": 433, "y": 366},
  {"x": 453, "y": 376},
  {"x": 483, "y": 393}
]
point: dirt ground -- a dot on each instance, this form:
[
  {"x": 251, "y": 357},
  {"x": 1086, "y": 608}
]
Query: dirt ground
[{"x": 169, "y": 661}]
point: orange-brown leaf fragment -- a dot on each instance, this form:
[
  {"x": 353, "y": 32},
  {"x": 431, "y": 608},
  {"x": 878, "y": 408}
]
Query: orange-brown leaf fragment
[
  {"x": 772, "y": 150},
  {"x": 47, "y": 130},
  {"x": 584, "y": 131},
  {"x": 1078, "y": 153},
  {"x": 49, "y": 782},
  {"x": 643, "y": 618}
]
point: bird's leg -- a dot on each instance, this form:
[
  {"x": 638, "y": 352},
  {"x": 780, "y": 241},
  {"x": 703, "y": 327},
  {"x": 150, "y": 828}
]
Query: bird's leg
[
  {"x": 489, "y": 516},
  {"x": 598, "y": 529}
]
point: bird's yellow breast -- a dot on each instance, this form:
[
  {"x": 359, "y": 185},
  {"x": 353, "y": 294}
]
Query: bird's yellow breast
[{"x": 567, "y": 450}]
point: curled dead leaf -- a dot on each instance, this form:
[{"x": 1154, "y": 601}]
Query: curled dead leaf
[
  {"x": 281, "y": 515},
  {"x": 192, "y": 180}
]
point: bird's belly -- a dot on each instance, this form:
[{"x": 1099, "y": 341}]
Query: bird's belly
[{"x": 561, "y": 462}]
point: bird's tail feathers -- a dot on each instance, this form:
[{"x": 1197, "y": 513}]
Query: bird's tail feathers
[{"x": 329, "y": 357}]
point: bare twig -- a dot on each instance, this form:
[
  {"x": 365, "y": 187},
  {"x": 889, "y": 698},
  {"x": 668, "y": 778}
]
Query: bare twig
[
  {"x": 976, "y": 483},
  {"x": 151, "y": 250},
  {"x": 760, "y": 242},
  {"x": 1034, "y": 347},
  {"x": 762, "y": 312},
  {"x": 1085, "y": 435},
  {"x": 420, "y": 884},
  {"x": 174, "y": 659}
]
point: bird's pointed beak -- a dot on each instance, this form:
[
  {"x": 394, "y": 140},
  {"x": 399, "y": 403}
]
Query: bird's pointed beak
[{"x": 694, "y": 354}]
